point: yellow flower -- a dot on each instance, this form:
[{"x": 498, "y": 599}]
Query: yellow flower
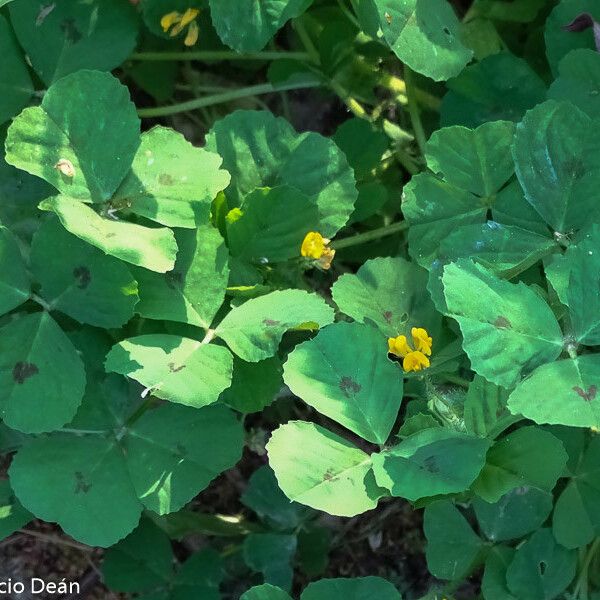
[
  {"x": 414, "y": 359},
  {"x": 177, "y": 22},
  {"x": 315, "y": 246}
]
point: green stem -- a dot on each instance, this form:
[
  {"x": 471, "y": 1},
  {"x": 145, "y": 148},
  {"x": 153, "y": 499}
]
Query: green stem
[
  {"x": 209, "y": 55},
  {"x": 141, "y": 409},
  {"x": 375, "y": 234},
  {"x": 196, "y": 103},
  {"x": 47, "y": 307},
  {"x": 310, "y": 48},
  {"x": 585, "y": 565},
  {"x": 413, "y": 110}
]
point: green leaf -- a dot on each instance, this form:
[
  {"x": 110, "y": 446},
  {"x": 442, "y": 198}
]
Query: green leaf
[
  {"x": 424, "y": 34},
  {"x": 578, "y": 81},
  {"x": 272, "y": 225},
  {"x": 174, "y": 452},
  {"x": 153, "y": 249},
  {"x": 452, "y": 546},
  {"x": 14, "y": 281},
  {"x": 175, "y": 368},
  {"x": 528, "y": 456},
  {"x": 493, "y": 583},
  {"x": 556, "y": 163},
  {"x": 576, "y": 520},
  {"x": 508, "y": 329},
  {"x": 254, "y": 329},
  {"x": 260, "y": 150},
  {"x": 12, "y": 515},
  {"x": 194, "y": 290},
  {"x": 484, "y": 404},
  {"x": 517, "y": 513},
  {"x": 320, "y": 469},
  {"x": 254, "y": 385},
  {"x": 355, "y": 588},
  {"x": 265, "y": 592},
  {"x": 390, "y": 293},
  {"x": 271, "y": 555},
  {"x": 79, "y": 280},
  {"x": 574, "y": 400},
  {"x": 64, "y": 37},
  {"x": 434, "y": 209},
  {"x": 511, "y": 208},
  {"x": 362, "y": 394},
  {"x": 430, "y": 462},
  {"x": 74, "y": 481},
  {"x": 140, "y": 562},
  {"x": 86, "y": 119},
  {"x": 526, "y": 578},
  {"x": 199, "y": 577},
  {"x": 247, "y": 26},
  {"x": 500, "y": 87},
  {"x": 502, "y": 249},
  {"x": 476, "y": 160},
  {"x": 42, "y": 378},
  {"x": 171, "y": 182},
  {"x": 559, "y": 41},
  {"x": 16, "y": 87}
]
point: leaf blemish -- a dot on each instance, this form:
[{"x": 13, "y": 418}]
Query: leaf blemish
[
  {"x": 349, "y": 386},
  {"x": 587, "y": 396},
  {"x": 270, "y": 322},
  {"x": 83, "y": 275},
  {"x": 165, "y": 179},
  {"x": 175, "y": 369},
  {"x": 23, "y": 371},
  {"x": 387, "y": 315},
  {"x": 81, "y": 486},
  {"x": 502, "y": 323}
]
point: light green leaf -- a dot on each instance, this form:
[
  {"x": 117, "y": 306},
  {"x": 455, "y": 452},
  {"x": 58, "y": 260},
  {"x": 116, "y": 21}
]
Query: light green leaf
[
  {"x": 476, "y": 160},
  {"x": 272, "y": 225},
  {"x": 63, "y": 37},
  {"x": 576, "y": 520},
  {"x": 500, "y": 87},
  {"x": 154, "y": 249},
  {"x": 434, "y": 209},
  {"x": 424, "y": 35},
  {"x": 503, "y": 249},
  {"x": 355, "y": 588},
  {"x": 555, "y": 154},
  {"x": 345, "y": 374},
  {"x": 561, "y": 393},
  {"x": 260, "y": 150},
  {"x": 247, "y": 26},
  {"x": 430, "y": 462},
  {"x": 254, "y": 329},
  {"x": 194, "y": 290},
  {"x": 322, "y": 470},
  {"x": 526, "y": 579},
  {"x": 16, "y": 87},
  {"x": 484, "y": 403},
  {"x": 42, "y": 378},
  {"x": 175, "y": 368},
  {"x": 171, "y": 182},
  {"x": 142, "y": 561},
  {"x": 452, "y": 546},
  {"x": 517, "y": 513},
  {"x": 174, "y": 452},
  {"x": 86, "y": 119},
  {"x": 508, "y": 329},
  {"x": 14, "y": 281},
  {"x": 528, "y": 456},
  {"x": 74, "y": 481},
  {"x": 390, "y": 293},
  {"x": 79, "y": 280},
  {"x": 579, "y": 80},
  {"x": 559, "y": 42},
  {"x": 271, "y": 554}
]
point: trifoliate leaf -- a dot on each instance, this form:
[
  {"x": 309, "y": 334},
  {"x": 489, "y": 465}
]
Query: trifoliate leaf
[
  {"x": 81, "y": 139},
  {"x": 355, "y": 588},
  {"x": 171, "y": 182},
  {"x": 14, "y": 281}
]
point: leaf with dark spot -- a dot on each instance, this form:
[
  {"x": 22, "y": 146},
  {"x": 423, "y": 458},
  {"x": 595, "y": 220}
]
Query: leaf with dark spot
[
  {"x": 349, "y": 386},
  {"x": 23, "y": 371},
  {"x": 83, "y": 275},
  {"x": 271, "y": 322},
  {"x": 582, "y": 22},
  {"x": 502, "y": 323},
  {"x": 387, "y": 315},
  {"x": 81, "y": 486},
  {"x": 175, "y": 369},
  {"x": 587, "y": 396},
  {"x": 69, "y": 28},
  {"x": 165, "y": 179}
]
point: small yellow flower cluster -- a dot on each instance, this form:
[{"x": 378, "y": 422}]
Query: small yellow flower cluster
[
  {"x": 176, "y": 22},
  {"x": 413, "y": 359},
  {"x": 315, "y": 246}
]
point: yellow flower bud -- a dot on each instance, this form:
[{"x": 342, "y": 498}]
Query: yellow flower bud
[
  {"x": 415, "y": 361},
  {"x": 192, "y": 34},
  {"x": 421, "y": 340},
  {"x": 399, "y": 346},
  {"x": 188, "y": 16},
  {"x": 169, "y": 20},
  {"x": 315, "y": 246}
]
